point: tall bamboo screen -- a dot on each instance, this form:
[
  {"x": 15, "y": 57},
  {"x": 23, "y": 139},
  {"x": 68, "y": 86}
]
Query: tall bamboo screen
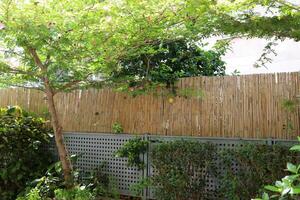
[{"x": 249, "y": 106}]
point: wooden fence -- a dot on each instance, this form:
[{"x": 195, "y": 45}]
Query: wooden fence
[{"x": 247, "y": 106}]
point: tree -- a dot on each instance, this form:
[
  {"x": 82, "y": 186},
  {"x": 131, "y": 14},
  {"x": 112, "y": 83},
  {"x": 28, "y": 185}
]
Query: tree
[
  {"x": 260, "y": 18},
  {"x": 60, "y": 45},
  {"x": 52, "y": 46},
  {"x": 166, "y": 61}
]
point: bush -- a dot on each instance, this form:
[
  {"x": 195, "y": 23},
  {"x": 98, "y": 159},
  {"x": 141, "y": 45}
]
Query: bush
[
  {"x": 51, "y": 186},
  {"x": 258, "y": 165},
  {"x": 22, "y": 137},
  {"x": 289, "y": 186},
  {"x": 76, "y": 193},
  {"x": 132, "y": 150},
  {"x": 181, "y": 169}
]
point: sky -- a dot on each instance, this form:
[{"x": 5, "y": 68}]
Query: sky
[{"x": 245, "y": 52}]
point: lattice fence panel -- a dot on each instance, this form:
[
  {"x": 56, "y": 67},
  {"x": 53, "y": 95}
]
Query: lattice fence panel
[
  {"x": 222, "y": 144},
  {"x": 94, "y": 149}
]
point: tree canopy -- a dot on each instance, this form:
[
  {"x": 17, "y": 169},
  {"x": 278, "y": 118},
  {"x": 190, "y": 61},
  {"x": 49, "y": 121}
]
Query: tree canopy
[
  {"x": 166, "y": 61},
  {"x": 60, "y": 45},
  {"x": 260, "y": 18}
]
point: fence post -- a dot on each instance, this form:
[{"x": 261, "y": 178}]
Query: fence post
[
  {"x": 146, "y": 167},
  {"x": 270, "y": 141}
]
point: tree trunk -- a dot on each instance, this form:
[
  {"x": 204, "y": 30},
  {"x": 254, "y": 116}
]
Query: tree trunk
[{"x": 62, "y": 152}]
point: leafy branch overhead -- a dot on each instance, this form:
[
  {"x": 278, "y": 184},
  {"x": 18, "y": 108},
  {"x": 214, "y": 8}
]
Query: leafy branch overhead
[
  {"x": 165, "y": 62},
  {"x": 38, "y": 42}
]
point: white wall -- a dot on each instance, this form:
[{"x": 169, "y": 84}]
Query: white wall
[{"x": 245, "y": 52}]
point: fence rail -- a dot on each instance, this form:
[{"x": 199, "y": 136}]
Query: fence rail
[{"x": 247, "y": 106}]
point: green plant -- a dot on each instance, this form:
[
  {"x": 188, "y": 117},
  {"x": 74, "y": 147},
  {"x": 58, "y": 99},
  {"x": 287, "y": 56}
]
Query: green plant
[
  {"x": 47, "y": 184},
  {"x": 76, "y": 193},
  {"x": 117, "y": 128},
  {"x": 22, "y": 138},
  {"x": 164, "y": 62},
  {"x": 290, "y": 106},
  {"x": 33, "y": 194},
  {"x": 289, "y": 186},
  {"x": 137, "y": 188},
  {"x": 133, "y": 150},
  {"x": 257, "y": 165},
  {"x": 101, "y": 184},
  {"x": 182, "y": 168},
  {"x": 96, "y": 184}
]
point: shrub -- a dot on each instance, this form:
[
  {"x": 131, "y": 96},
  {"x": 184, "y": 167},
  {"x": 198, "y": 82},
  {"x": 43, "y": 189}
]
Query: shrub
[
  {"x": 133, "y": 150},
  {"x": 289, "y": 186},
  {"x": 51, "y": 186},
  {"x": 76, "y": 193},
  {"x": 257, "y": 165},
  {"x": 117, "y": 128},
  {"x": 182, "y": 168},
  {"x": 22, "y": 137}
]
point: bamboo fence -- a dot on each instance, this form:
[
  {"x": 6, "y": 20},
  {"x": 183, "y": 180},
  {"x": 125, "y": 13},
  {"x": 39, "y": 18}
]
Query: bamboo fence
[{"x": 248, "y": 106}]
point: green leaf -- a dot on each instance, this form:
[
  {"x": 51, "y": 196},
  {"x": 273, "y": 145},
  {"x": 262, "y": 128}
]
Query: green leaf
[
  {"x": 295, "y": 148},
  {"x": 272, "y": 188},
  {"x": 295, "y": 190},
  {"x": 292, "y": 168}
]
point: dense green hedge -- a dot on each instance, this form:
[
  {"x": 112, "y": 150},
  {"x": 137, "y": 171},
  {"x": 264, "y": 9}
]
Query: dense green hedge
[
  {"x": 182, "y": 168},
  {"x": 259, "y": 165},
  {"x": 22, "y": 137}
]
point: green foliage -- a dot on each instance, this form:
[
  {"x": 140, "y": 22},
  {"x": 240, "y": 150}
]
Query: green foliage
[
  {"x": 289, "y": 186},
  {"x": 138, "y": 188},
  {"x": 77, "y": 193},
  {"x": 164, "y": 62},
  {"x": 117, "y": 128},
  {"x": 133, "y": 150},
  {"x": 51, "y": 185},
  {"x": 190, "y": 92},
  {"x": 265, "y": 56},
  {"x": 290, "y": 105},
  {"x": 182, "y": 168},
  {"x": 101, "y": 184},
  {"x": 73, "y": 43},
  {"x": 78, "y": 39},
  {"x": 236, "y": 73},
  {"x": 22, "y": 138},
  {"x": 258, "y": 165},
  {"x": 55, "y": 39},
  {"x": 257, "y": 18},
  {"x": 33, "y": 194},
  {"x": 51, "y": 181}
]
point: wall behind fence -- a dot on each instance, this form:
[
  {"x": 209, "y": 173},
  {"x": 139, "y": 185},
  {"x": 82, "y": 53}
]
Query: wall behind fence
[{"x": 247, "y": 106}]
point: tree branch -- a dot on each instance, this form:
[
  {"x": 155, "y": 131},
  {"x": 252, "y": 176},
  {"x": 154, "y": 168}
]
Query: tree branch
[
  {"x": 72, "y": 84},
  {"x": 36, "y": 59},
  {"x": 10, "y": 70},
  {"x": 27, "y": 87},
  {"x": 290, "y": 5}
]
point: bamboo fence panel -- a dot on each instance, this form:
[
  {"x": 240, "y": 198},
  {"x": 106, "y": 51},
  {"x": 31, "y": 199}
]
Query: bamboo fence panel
[{"x": 248, "y": 106}]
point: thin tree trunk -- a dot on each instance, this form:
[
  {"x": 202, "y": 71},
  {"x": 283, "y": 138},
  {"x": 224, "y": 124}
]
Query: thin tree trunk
[
  {"x": 62, "y": 152},
  {"x": 57, "y": 128}
]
